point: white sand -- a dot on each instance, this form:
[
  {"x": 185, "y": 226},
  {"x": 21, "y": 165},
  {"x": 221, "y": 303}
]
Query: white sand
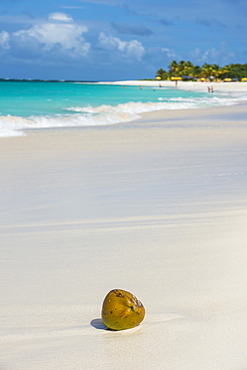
[
  {"x": 156, "y": 207},
  {"x": 186, "y": 85}
]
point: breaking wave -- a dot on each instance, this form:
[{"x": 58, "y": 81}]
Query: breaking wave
[{"x": 107, "y": 114}]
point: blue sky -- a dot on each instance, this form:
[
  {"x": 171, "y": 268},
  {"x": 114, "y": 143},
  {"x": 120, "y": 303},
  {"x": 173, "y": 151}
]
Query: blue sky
[{"x": 117, "y": 39}]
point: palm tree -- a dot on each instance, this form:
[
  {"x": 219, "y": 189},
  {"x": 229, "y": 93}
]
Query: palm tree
[
  {"x": 174, "y": 67},
  {"x": 162, "y": 73},
  {"x": 215, "y": 71},
  {"x": 196, "y": 71},
  {"x": 223, "y": 72},
  {"x": 206, "y": 71},
  {"x": 187, "y": 69}
]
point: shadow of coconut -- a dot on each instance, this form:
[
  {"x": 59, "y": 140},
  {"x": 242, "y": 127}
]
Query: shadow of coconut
[{"x": 98, "y": 324}]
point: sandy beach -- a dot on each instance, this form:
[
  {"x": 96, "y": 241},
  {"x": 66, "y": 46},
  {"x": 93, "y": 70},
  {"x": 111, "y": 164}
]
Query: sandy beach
[
  {"x": 158, "y": 207},
  {"x": 186, "y": 85}
]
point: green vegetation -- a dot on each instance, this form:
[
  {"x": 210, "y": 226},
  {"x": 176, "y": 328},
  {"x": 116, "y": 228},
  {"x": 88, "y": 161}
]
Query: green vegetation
[{"x": 189, "y": 71}]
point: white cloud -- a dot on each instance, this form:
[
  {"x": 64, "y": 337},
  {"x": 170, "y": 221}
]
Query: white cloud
[
  {"x": 111, "y": 42},
  {"x": 4, "y": 40},
  {"x": 210, "y": 54},
  {"x": 170, "y": 53},
  {"x": 135, "y": 49},
  {"x": 55, "y": 33},
  {"x": 62, "y": 17},
  {"x": 196, "y": 53},
  {"x": 213, "y": 55},
  {"x": 129, "y": 49}
]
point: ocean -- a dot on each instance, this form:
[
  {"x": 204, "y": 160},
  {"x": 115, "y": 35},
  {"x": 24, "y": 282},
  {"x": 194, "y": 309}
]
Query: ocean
[{"x": 30, "y": 105}]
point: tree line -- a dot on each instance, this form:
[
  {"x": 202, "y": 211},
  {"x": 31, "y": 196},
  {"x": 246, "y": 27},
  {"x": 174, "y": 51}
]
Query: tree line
[{"x": 187, "y": 70}]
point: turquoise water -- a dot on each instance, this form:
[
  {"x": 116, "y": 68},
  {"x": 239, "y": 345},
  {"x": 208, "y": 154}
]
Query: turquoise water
[
  {"x": 39, "y": 98},
  {"x": 33, "y": 105}
]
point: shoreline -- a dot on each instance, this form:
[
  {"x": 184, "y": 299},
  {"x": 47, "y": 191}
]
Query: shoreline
[
  {"x": 225, "y": 113},
  {"x": 236, "y": 94},
  {"x": 185, "y": 85}
]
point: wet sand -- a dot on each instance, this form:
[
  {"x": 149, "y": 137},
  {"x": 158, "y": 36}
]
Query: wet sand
[{"x": 156, "y": 207}]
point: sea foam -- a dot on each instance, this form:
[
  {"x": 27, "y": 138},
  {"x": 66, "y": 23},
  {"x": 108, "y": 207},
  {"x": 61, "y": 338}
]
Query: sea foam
[{"x": 77, "y": 116}]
